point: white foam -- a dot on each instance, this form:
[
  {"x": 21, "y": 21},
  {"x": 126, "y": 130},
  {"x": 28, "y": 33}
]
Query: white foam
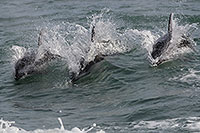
[
  {"x": 6, "y": 127},
  {"x": 17, "y": 52},
  {"x": 190, "y": 76},
  {"x": 189, "y": 124}
]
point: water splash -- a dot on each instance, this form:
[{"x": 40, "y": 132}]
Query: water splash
[
  {"x": 6, "y": 127},
  {"x": 18, "y": 53},
  {"x": 73, "y": 42}
]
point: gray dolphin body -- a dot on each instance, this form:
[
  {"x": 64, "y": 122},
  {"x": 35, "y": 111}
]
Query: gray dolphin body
[
  {"x": 28, "y": 64},
  {"x": 163, "y": 43},
  {"x": 85, "y": 67}
]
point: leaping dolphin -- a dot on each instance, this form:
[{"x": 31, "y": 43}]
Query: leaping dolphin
[
  {"x": 28, "y": 64},
  {"x": 163, "y": 43},
  {"x": 84, "y": 65}
]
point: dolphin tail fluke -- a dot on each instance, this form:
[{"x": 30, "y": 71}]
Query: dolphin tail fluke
[
  {"x": 170, "y": 24},
  {"x": 40, "y": 38},
  {"x": 92, "y": 33}
]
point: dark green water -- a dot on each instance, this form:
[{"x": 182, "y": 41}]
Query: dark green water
[{"x": 123, "y": 93}]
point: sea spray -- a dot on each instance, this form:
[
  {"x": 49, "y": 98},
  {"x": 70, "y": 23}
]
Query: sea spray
[
  {"x": 73, "y": 42},
  {"x": 6, "y": 127}
]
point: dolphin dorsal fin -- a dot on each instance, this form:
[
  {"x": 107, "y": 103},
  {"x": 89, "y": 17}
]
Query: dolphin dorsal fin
[
  {"x": 170, "y": 24},
  {"x": 92, "y": 33},
  {"x": 40, "y": 38}
]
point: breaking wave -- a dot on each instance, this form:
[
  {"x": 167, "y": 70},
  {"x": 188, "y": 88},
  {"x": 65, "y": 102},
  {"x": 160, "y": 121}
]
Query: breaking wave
[
  {"x": 189, "y": 124},
  {"x": 7, "y": 127}
]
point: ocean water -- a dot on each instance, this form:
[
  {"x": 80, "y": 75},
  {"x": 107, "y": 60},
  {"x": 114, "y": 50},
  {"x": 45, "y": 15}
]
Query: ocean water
[{"x": 121, "y": 94}]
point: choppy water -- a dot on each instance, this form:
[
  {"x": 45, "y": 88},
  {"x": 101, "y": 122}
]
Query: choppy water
[{"x": 123, "y": 93}]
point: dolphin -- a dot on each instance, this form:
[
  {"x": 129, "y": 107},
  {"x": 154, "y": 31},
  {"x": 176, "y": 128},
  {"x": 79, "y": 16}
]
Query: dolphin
[
  {"x": 28, "y": 64},
  {"x": 84, "y": 65},
  {"x": 162, "y": 44}
]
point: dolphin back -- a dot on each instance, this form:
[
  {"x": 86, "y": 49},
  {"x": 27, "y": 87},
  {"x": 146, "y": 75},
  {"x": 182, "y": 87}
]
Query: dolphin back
[{"x": 160, "y": 46}]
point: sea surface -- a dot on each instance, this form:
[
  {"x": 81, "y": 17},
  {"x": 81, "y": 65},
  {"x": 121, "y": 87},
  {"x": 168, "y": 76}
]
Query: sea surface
[{"x": 123, "y": 93}]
